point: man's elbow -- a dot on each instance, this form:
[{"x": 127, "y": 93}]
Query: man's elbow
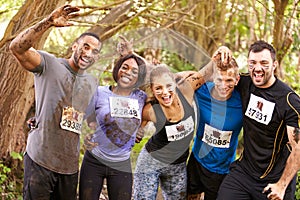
[{"x": 15, "y": 50}]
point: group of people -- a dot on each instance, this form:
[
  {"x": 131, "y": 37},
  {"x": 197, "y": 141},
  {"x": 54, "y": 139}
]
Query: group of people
[{"x": 215, "y": 102}]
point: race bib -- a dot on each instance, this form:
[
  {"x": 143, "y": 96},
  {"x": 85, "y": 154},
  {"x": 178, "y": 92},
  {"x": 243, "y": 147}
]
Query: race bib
[
  {"x": 180, "y": 130},
  {"x": 71, "y": 120},
  {"x": 215, "y": 137},
  {"x": 260, "y": 109},
  {"x": 124, "y": 107}
]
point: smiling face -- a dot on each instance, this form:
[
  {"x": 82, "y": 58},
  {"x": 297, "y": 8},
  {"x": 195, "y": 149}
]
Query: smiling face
[
  {"x": 85, "y": 52},
  {"x": 128, "y": 74},
  {"x": 163, "y": 88},
  {"x": 225, "y": 81},
  {"x": 261, "y": 68}
]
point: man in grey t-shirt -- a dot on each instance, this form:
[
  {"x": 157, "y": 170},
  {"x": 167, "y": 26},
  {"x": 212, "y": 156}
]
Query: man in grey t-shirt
[{"x": 63, "y": 91}]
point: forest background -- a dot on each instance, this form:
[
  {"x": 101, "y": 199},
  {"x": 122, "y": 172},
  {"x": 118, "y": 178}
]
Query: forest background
[{"x": 180, "y": 33}]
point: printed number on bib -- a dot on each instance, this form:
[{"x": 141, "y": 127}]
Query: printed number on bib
[
  {"x": 124, "y": 107},
  {"x": 260, "y": 109},
  {"x": 215, "y": 137},
  {"x": 180, "y": 130},
  {"x": 71, "y": 120}
]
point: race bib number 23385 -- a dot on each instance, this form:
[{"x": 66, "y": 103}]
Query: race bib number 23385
[{"x": 71, "y": 120}]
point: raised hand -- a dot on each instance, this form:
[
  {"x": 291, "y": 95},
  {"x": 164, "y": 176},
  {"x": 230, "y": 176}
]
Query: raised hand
[
  {"x": 60, "y": 16},
  {"x": 124, "y": 46},
  {"x": 222, "y": 57}
]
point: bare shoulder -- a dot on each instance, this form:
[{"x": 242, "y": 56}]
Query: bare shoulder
[
  {"x": 148, "y": 113},
  {"x": 187, "y": 90}
]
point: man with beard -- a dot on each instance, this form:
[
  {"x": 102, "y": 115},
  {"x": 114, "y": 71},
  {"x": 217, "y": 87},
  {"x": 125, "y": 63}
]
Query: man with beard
[
  {"x": 63, "y": 91},
  {"x": 270, "y": 160}
]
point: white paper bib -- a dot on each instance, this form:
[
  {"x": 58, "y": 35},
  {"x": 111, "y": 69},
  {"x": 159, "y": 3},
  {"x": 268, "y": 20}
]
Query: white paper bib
[
  {"x": 215, "y": 137},
  {"x": 180, "y": 130},
  {"x": 260, "y": 109},
  {"x": 124, "y": 107},
  {"x": 71, "y": 120}
]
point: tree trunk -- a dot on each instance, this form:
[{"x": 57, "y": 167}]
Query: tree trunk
[
  {"x": 16, "y": 84},
  {"x": 282, "y": 42}
]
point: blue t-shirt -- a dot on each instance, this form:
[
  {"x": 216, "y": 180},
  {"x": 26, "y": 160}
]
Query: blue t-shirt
[
  {"x": 118, "y": 118},
  {"x": 219, "y": 124}
]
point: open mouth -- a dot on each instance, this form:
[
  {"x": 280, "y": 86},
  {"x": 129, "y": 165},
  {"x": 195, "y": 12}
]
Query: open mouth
[
  {"x": 84, "y": 60},
  {"x": 167, "y": 99},
  {"x": 125, "y": 79},
  {"x": 258, "y": 76}
]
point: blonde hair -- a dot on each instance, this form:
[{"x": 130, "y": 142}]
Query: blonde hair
[{"x": 159, "y": 70}]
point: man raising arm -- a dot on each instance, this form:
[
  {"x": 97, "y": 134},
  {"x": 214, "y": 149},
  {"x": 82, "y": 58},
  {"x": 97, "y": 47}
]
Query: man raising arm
[{"x": 63, "y": 91}]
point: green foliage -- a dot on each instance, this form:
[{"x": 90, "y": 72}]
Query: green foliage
[
  {"x": 291, "y": 72},
  {"x": 176, "y": 63},
  {"x": 16, "y": 155},
  {"x": 4, "y": 171},
  {"x": 136, "y": 150},
  {"x": 297, "y": 194},
  {"x": 10, "y": 187},
  {"x": 8, "y": 8}
]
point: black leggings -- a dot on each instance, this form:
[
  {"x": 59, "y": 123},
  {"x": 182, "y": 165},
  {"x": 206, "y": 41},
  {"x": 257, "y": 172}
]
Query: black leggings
[{"x": 93, "y": 172}]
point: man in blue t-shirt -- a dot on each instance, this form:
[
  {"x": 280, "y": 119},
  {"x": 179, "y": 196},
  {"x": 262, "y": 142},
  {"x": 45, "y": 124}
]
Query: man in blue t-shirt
[{"x": 219, "y": 124}]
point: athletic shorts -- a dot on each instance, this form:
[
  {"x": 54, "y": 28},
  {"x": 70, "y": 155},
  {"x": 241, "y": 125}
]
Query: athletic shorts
[
  {"x": 240, "y": 185},
  {"x": 202, "y": 180},
  {"x": 41, "y": 183}
]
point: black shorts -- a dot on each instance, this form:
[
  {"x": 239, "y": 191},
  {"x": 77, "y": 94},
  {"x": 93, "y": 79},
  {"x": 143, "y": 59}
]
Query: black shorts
[
  {"x": 41, "y": 183},
  {"x": 201, "y": 180},
  {"x": 240, "y": 185}
]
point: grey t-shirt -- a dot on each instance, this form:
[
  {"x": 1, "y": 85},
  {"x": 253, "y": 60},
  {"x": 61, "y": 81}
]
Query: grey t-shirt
[{"x": 62, "y": 98}]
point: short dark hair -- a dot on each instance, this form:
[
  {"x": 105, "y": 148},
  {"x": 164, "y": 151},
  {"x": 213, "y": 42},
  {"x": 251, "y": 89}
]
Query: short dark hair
[
  {"x": 141, "y": 64},
  {"x": 260, "y": 45},
  {"x": 88, "y": 34}
]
